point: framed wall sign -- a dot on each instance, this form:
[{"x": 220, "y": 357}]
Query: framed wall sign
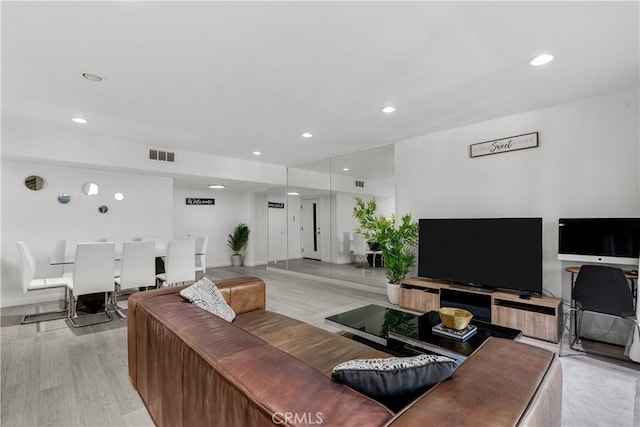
[
  {"x": 512, "y": 143},
  {"x": 198, "y": 201},
  {"x": 276, "y": 205}
]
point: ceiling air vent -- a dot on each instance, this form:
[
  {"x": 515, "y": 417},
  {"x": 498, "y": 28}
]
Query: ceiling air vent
[
  {"x": 360, "y": 184},
  {"x": 161, "y": 156}
]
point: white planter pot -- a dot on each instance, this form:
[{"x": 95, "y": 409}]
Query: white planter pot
[
  {"x": 393, "y": 292},
  {"x": 236, "y": 260}
]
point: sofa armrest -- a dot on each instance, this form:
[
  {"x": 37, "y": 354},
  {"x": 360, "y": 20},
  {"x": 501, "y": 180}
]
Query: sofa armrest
[
  {"x": 243, "y": 294},
  {"x": 504, "y": 383}
]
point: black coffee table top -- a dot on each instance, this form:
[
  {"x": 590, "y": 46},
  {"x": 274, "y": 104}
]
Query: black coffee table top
[{"x": 381, "y": 325}]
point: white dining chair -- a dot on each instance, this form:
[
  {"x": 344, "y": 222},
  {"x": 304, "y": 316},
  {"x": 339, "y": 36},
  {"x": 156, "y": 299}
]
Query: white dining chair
[
  {"x": 159, "y": 241},
  {"x": 92, "y": 273},
  {"x": 201, "y": 254},
  {"x": 137, "y": 270},
  {"x": 30, "y": 284},
  {"x": 119, "y": 243},
  {"x": 361, "y": 249},
  {"x": 70, "y": 247},
  {"x": 180, "y": 265}
]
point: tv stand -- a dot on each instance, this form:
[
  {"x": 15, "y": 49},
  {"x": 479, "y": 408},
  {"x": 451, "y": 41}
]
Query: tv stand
[
  {"x": 539, "y": 317},
  {"x": 472, "y": 288}
]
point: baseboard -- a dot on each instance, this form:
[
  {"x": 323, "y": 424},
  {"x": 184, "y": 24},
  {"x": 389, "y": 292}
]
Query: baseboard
[{"x": 32, "y": 298}]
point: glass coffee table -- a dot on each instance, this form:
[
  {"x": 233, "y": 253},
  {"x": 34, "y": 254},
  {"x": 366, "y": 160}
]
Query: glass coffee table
[{"x": 393, "y": 329}]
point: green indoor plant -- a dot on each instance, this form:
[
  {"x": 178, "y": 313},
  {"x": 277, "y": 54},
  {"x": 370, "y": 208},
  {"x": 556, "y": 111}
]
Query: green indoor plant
[
  {"x": 396, "y": 238},
  {"x": 237, "y": 241}
]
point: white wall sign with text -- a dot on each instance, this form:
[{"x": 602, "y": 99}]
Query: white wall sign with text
[
  {"x": 199, "y": 201},
  {"x": 512, "y": 143}
]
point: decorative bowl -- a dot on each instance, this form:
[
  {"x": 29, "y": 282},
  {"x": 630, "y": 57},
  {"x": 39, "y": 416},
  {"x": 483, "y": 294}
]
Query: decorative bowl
[{"x": 455, "y": 318}]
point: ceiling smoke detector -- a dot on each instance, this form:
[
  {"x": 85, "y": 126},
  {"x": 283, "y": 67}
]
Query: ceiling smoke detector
[{"x": 92, "y": 77}]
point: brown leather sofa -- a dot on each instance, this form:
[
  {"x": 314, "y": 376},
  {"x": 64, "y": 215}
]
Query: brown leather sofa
[{"x": 192, "y": 368}]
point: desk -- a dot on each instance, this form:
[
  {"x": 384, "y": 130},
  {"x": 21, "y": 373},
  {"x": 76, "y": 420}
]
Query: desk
[{"x": 576, "y": 270}]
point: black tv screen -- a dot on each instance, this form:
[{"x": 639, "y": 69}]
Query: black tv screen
[
  {"x": 490, "y": 252},
  {"x": 609, "y": 240}
]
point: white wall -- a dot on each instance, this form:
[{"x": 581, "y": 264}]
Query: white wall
[
  {"x": 218, "y": 221},
  {"x": 37, "y": 218},
  {"x": 586, "y": 166},
  {"x": 105, "y": 152}
]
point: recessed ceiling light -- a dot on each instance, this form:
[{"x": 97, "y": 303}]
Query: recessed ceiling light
[
  {"x": 216, "y": 186},
  {"x": 257, "y": 153},
  {"x": 306, "y": 135},
  {"x": 541, "y": 60},
  {"x": 345, "y": 169},
  {"x": 293, "y": 193},
  {"x": 79, "y": 120},
  {"x": 118, "y": 196},
  {"x": 92, "y": 77},
  {"x": 388, "y": 109}
]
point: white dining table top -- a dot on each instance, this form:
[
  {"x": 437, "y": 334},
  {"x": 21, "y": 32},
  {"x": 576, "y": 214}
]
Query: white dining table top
[{"x": 161, "y": 251}]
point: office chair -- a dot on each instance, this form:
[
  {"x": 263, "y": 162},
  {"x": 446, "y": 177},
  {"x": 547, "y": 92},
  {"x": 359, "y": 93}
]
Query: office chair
[{"x": 599, "y": 289}]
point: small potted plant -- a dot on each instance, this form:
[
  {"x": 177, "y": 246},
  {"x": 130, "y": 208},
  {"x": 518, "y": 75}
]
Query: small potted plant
[
  {"x": 237, "y": 242},
  {"x": 396, "y": 241}
]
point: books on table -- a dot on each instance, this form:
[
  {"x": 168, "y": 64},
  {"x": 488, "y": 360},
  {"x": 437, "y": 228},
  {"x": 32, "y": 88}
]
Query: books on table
[{"x": 461, "y": 335}]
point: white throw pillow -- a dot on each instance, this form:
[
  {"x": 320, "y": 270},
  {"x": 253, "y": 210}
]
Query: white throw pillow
[{"x": 206, "y": 295}]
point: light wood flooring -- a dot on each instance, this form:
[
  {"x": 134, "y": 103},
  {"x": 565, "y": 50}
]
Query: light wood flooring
[
  {"x": 54, "y": 375},
  {"x": 361, "y": 273}
]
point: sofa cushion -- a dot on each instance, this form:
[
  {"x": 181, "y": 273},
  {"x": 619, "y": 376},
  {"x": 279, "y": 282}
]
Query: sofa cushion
[
  {"x": 394, "y": 381},
  {"x": 206, "y": 295},
  {"x": 316, "y": 347}
]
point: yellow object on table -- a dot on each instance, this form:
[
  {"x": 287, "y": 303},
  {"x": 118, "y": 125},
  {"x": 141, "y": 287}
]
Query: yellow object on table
[{"x": 455, "y": 318}]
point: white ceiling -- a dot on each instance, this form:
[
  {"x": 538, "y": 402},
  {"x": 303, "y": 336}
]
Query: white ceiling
[{"x": 228, "y": 78}]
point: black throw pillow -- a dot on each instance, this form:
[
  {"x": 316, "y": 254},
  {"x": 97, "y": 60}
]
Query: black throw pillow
[{"x": 395, "y": 381}]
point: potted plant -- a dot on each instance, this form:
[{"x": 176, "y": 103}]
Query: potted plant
[
  {"x": 237, "y": 241},
  {"x": 396, "y": 241}
]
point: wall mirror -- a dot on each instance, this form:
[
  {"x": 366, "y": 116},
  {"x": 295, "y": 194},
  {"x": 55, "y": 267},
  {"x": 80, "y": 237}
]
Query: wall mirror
[
  {"x": 64, "y": 198},
  {"x": 35, "y": 182},
  {"x": 316, "y": 229},
  {"x": 90, "y": 188}
]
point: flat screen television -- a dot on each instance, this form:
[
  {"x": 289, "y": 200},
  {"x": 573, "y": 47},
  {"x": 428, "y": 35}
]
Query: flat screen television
[
  {"x": 605, "y": 240},
  {"x": 503, "y": 253}
]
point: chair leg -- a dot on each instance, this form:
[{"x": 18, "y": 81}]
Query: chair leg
[
  {"x": 42, "y": 317},
  {"x": 75, "y": 324},
  {"x": 49, "y": 315},
  {"x": 577, "y": 330},
  {"x": 116, "y": 310}
]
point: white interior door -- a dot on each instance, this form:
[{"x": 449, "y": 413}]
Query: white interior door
[{"x": 310, "y": 231}]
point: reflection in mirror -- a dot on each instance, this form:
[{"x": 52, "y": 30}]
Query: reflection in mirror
[
  {"x": 35, "y": 182},
  {"x": 277, "y": 207},
  {"x": 320, "y": 228},
  {"x": 64, "y": 198},
  {"x": 103, "y": 209},
  {"x": 368, "y": 174},
  {"x": 90, "y": 189},
  {"x": 309, "y": 218}
]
